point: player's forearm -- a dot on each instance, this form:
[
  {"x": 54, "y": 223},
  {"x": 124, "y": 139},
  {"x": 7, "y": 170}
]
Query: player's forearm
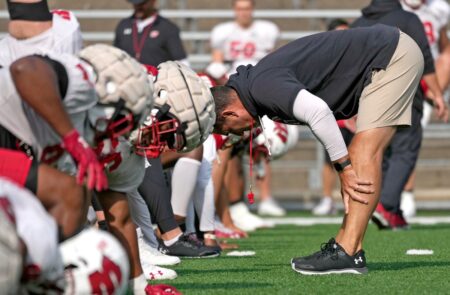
[
  {"x": 36, "y": 83},
  {"x": 433, "y": 84},
  {"x": 315, "y": 112}
]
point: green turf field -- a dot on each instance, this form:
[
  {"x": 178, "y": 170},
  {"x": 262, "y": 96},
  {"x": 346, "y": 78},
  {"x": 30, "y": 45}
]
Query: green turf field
[{"x": 391, "y": 271}]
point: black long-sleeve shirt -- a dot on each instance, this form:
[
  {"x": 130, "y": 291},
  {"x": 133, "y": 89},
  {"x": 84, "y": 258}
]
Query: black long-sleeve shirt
[{"x": 334, "y": 65}]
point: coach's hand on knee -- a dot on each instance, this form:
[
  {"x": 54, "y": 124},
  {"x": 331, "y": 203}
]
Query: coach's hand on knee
[{"x": 352, "y": 187}]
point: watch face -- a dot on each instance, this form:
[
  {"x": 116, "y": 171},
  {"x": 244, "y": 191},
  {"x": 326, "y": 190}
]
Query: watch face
[{"x": 337, "y": 166}]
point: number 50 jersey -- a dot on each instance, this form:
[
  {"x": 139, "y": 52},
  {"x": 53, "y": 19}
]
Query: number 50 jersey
[{"x": 242, "y": 46}]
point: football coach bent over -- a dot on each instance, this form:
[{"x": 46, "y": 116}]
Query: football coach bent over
[{"x": 372, "y": 72}]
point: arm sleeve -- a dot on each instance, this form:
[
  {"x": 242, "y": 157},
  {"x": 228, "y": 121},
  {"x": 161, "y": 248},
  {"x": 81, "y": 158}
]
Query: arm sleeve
[
  {"x": 175, "y": 46},
  {"x": 315, "y": 112},
  {"x": 416, "y": 31}
]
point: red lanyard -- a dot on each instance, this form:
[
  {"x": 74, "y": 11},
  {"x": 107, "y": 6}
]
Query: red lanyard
[
  {"x": 250, "y": 195},
  {"x": 138, "y": 44}
]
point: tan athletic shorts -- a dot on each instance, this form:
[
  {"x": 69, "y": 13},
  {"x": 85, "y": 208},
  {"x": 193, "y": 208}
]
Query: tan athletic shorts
[{"x": 387, "y": 100}]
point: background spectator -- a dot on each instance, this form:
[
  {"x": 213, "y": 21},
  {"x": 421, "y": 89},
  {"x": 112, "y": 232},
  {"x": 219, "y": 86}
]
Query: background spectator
[{"x": 149, "y": 37}]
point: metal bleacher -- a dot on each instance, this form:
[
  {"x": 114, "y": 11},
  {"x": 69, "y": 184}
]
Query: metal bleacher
[
  {"x": 298, "y": 173},
  {"x": 199, "y": 56}
]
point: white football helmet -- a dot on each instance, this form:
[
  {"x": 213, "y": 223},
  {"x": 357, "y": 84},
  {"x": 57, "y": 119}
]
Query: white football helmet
[
  {"x": 95, "y": 263},
  {"x": 121, "y": 84},
  {"x": 185, "y": 111},
  {"x": 278, "y": 137}
]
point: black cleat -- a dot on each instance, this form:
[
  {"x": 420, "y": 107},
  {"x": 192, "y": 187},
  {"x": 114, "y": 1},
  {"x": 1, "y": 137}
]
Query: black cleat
[
  {"x": 185, "y": 248},
  {"x": 201, "y": 243},
  {"x": 331, "y": 259}
]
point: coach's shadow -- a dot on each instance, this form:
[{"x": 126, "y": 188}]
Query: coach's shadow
[{"x": 387, "y": 266}]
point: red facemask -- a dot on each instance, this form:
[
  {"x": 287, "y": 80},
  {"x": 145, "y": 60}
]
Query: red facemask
[{"x": 157, "y": 136}]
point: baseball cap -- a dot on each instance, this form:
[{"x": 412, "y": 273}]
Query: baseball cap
[{"x": 136, "y": 2}]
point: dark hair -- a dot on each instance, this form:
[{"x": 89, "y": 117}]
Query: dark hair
[
  {"x": 336, "y": 22},
  {"x": 223, "y": 97}
]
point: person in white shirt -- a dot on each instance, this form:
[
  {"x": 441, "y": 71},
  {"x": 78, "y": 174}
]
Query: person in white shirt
[
  {"x": 29, "y": 32},
  {"x": 240, "y": 42},
  {"x": 244, "y": 40}
]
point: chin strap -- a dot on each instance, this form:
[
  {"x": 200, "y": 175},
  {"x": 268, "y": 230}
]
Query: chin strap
[{"x": 250, "y": 195}]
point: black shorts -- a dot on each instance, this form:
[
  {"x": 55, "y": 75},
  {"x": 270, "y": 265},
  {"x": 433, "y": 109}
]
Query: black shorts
[{"x": 347, "y": 135}]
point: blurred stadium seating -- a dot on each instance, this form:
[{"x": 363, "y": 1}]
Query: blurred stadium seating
[{"x": 298, "y": 173}]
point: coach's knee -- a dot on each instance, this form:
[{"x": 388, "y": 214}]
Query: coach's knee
[{"x": 369, "y": 146}]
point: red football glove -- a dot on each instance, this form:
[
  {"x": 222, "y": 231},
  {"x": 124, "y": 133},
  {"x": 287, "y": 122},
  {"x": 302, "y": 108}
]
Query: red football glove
[{"x": 86, "y": 159}]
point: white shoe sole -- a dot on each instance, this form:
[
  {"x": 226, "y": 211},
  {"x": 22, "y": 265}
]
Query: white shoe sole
[{"x": 360, "y": 271}]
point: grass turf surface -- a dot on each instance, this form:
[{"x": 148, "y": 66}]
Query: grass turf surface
[{"x": 391, "y": 271}]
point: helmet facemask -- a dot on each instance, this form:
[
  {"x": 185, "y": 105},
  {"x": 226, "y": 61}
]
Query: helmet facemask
[{"x": 161, "y": 131}]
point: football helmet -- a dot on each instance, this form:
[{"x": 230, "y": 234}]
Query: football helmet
[
  {"x": 277, "y": 137},
  {"x": 95, "y": 263},
  {"x": 184, "y": 112},
  {"x": 122, "y": 86}
]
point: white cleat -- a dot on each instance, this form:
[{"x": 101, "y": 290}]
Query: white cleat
[
  {"x": 408, "y": 204},
  {"x": 152, "y": 256},
  {"x": 245, "y": 220},
  {"x": 271, "y": 207},
  {"x": 153, "y": 272},
  {"x": 325, "y": 207}
]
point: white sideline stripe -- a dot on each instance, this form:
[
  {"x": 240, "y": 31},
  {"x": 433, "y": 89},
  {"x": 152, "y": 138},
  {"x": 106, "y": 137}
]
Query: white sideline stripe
[{"x": 307, "y": 221}]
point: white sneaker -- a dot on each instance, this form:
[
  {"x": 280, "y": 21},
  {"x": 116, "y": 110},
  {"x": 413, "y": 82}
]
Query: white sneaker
[
  {"x": 408, "y": 204},
  {"x": 153, "y": 272},
  {"x": 151, "y": 255},
  {"x": 245, "y": 220},
  {"x": 270, "y": 207},
  {"x": 325, "y": 207}
]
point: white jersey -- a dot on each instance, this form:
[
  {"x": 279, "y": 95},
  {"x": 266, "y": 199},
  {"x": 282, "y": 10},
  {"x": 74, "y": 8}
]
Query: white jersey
[
  {"x": 125, "y": 169},
  {"x": 242, "y": 46},
  {"x": 23, "y": 122},
  {"x": 43, "y": 264},
  {"x": 63, "y": 37},
  {"x": 435, "y": 15}
]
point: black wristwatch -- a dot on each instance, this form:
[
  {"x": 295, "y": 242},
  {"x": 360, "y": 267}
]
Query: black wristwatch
[{"x": 340, "y": 166}]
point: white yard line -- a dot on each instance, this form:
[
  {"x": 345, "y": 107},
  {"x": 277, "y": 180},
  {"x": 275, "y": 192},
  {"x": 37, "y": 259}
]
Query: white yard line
[{"x": 306, "y": 221}]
